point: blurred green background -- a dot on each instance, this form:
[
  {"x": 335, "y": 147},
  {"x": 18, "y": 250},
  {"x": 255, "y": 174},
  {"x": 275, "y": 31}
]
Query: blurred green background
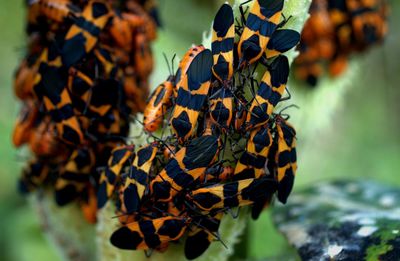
[{"x": 362, "y": 141}]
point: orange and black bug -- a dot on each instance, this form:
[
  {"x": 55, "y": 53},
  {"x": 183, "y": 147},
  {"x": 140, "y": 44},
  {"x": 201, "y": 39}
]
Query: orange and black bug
[
  {"x": 221, "y": 197},
  {"x": 251, "y": 163},
  {"x": 188, "y": 165},
  {"x": 335, "y": 30},
  {"x": 281, "y": 41},
  {"x": 158, "y": 104},
  {"x": 192, "y": 93},
  {"x": 137, "y": 179},
  {"x": 202, "y": 232},
  {"x": 221, "y": 96},
  {"x": 84, "y": 32},
  {"x": 111, "y": 174},
  {"x": 272, "y": 86},
  {"x": 24, "y": 127},
  {"x": 33, "y": 176},
  {"x": 285, "y": 159},
  {"x": 149, "y": 234},
  {"x": 222, "y": 43},
  {"x": 74, "y": 176},
  {"x": 51, "y": 88},
  {"x": 261, "y": 23},
  {"x": 185, "y": 63}
]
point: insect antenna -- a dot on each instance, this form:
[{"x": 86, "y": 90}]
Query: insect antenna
[{"x": 168, "y": 65}]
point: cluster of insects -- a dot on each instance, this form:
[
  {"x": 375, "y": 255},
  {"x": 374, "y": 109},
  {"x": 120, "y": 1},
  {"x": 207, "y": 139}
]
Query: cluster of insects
[
  {"x": 85, "y": 74},
  {"x": 336, "y": 29},
  {"x": 214, "y": 141}
]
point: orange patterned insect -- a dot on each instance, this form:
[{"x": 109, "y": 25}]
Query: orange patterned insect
[
  {"x": 261, "y": 23},
  {"x": 158, "y": 104},
  {"x": 84, "y": 32}
]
